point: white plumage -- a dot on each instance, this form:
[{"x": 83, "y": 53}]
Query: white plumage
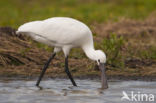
[{"x": 65, "y": 33}]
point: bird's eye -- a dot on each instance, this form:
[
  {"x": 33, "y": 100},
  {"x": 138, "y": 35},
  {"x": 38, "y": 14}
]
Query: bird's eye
[{"x": 99, "y": 60}]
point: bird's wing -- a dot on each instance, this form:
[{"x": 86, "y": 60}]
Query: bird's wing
[
  {"x": 47, "y": 30},
  {"x": 58, "y": 30}
]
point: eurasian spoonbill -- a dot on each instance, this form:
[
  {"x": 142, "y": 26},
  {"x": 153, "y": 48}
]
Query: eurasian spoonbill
[{"x": 65, "y": 33}]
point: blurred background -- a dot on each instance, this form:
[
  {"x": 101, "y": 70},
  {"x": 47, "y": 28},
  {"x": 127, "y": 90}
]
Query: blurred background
[
  {"x": 124, "y": 29},
  {"x": 16, "y": 12}
]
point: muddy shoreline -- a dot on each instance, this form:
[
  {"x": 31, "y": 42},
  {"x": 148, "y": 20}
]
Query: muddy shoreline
[{"x": 23, "y": 58}]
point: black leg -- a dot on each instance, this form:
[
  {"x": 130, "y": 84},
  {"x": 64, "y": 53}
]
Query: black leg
[
  {"x": 45, "y": 68},
  {"x": 68, "y": 72}
]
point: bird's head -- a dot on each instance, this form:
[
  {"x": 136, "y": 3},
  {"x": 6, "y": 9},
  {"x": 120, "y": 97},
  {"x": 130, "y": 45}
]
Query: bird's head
[
  {"x": 100, "y": 56},
  {"x": 101, "y": 60}
]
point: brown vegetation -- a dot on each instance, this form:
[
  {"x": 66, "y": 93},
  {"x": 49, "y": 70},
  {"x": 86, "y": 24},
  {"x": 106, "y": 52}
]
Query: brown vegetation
[{"x": 19, "y": 55}]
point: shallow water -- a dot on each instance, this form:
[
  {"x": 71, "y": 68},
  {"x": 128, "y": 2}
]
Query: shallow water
[{"x": 61, "y": 91}]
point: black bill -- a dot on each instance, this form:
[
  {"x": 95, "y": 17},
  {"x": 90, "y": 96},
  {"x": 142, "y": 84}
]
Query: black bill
[{"x": 103, "y": 76}]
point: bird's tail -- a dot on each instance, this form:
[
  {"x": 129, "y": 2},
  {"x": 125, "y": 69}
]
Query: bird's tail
[{"x": 17, "y": 32}]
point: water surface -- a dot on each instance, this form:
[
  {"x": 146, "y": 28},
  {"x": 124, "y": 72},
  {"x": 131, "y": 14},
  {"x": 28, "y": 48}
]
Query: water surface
[{"x": 61, "y": 91}]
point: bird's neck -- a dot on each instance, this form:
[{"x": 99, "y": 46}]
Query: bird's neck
[{"x": 90, "y": 52}]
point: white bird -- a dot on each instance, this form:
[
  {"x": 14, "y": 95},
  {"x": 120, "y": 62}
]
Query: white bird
[{"x": 65, "y": 33}]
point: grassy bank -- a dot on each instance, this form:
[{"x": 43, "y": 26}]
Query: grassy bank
[
  {"x": 123, "y": 29},
  {"x": 130, "y": 54},
  {"x": 17, "y": 12}
]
